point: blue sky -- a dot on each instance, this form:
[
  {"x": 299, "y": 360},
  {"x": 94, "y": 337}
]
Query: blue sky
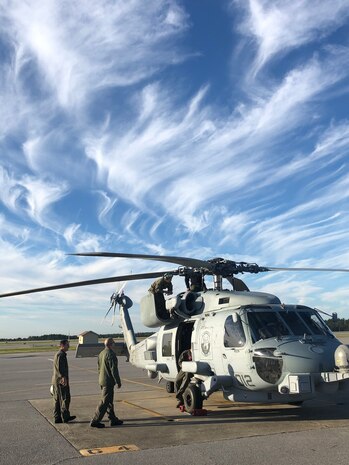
[{"x": 197, "y": 128}]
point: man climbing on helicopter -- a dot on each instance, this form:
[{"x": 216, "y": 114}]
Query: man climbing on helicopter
[
  {"x": 158, "y": 288},
  {"x": 162, "y": 285},
  {"x": 194, "y": 281},
  {"x": 183, "y": 378}
]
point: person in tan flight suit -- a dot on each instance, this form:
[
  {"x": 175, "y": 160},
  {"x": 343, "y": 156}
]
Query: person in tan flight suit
[
  {"x": 108, "y": 378},
  {"x": 60, "y": 385}
]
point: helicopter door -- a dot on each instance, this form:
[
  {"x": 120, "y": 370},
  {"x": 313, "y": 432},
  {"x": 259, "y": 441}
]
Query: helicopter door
[
  {"x": 183, "y": 338},
  {"x": 233, "y": 344},
  {"x": 166, "y": 351}
]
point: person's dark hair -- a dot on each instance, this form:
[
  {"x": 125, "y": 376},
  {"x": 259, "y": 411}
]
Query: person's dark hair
[{"x": 63, "y": 342}]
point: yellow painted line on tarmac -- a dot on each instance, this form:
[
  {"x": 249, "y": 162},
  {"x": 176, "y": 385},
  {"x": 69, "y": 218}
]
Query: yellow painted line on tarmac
[
  {"x": 33, "y": 371},
  {"x": 142, "y": 384},
  {"x": 39, "y": 385},
  {"x": 77, "y": 382},
  {"x": 72, "y": 366},
  {"x": 122, "y": 379},
  {"x": 18, "y": 390},
  {"x": 108, "y": 450},
  {"x": 157, "y": 414},
  {"x": 26, "y": 390},
  {"x": 70, "y": 383}
]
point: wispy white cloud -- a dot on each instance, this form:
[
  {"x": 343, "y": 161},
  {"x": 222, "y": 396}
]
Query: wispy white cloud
[
  {"x": 17, "y": 232},
  {"x": 181, "y": 160},
  {"x": 80, "y": 240},
  {"x": 292, "y": 289},
  {"x": 28, "y": 195},
  {"x": 307, "y": 228},
  {"x": 281, "y": 25},
  {"x": 115, "y": 44},
  {"x": 106, "y": 207}
]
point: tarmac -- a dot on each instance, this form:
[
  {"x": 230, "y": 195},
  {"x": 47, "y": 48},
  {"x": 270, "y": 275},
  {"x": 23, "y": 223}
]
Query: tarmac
[{"x": 154, "y": 431}]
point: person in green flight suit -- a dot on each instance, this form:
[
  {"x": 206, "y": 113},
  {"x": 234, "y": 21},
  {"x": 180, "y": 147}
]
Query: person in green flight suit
[
  {"x": 60, "y": 385},
  {"x": 108, "y": 378},
  {"x": 183, "y": 378},
  {"x": 163, "y": 284},
  {"x": 158, "y": 288}
]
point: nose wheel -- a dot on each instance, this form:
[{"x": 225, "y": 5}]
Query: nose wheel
[{"x": 170, "y": 387}]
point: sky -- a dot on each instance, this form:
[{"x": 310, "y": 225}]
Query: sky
[{"x": 196, "y": 128}]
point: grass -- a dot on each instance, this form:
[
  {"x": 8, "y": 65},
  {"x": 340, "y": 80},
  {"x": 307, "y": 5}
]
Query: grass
[
  {"x": 29, "y": 350},
  {"x": 25, "y": 347}
]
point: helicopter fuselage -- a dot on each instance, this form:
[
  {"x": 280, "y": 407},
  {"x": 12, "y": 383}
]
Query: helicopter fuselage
[{"x": 246, "y": 344}]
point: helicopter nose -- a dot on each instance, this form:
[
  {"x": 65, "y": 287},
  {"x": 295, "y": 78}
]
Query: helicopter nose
[
  {"x": 273, "y": 363},
  {"x": 310, "y": 357}
]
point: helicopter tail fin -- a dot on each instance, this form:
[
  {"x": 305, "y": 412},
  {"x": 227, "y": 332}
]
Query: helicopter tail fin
[{"x": 126, "y": 323}]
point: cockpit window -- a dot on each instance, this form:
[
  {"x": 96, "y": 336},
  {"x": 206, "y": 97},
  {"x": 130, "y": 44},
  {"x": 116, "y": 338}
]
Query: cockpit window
[
  {"x": 291, "y": 321},
  {"x": 234, "y": 335},
  {"x": 265, "y": 325},
  {"x": 314, "y": 323},
  {"x": 295, "y": 323}
]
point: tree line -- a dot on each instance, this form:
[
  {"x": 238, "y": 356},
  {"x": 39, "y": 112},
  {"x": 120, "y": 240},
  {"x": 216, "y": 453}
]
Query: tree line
[
  {"x": 59, "y": 337},
  {"x": 341, "y": 324}
]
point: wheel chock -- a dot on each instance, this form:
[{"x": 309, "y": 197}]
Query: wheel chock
[{"x": 199, "y": 412}]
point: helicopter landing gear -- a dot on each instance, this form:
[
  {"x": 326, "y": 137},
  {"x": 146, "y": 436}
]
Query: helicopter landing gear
[
  {"x": 192, "y": 398},
  {"x": 170, "y": 387},
  {"x": 298, "y": 403}
]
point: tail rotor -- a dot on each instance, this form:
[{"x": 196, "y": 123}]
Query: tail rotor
[{"x": 115, "y": 298}]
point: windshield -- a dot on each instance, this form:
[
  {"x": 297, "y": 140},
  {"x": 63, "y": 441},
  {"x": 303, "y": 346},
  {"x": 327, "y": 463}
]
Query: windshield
[
  {"x": 295, "y": 321},
  {"x": 265, "y": 324}
]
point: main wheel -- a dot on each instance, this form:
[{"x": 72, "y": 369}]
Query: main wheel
[
  {"x": 169, "y": 387},
  {"x": 192, "y": 398}
]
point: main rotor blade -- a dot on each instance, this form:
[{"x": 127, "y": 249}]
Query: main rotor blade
[
  {"x": 129, "y": 277},
  {"x": 272, "y": 268},
  {"x": 184, "y": 261},
  {"x": 213, "y": 265}
]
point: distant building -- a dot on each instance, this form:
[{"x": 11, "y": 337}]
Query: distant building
[
  {"x": 90, "y": 347},
  {"x": 88, "y": 337}
]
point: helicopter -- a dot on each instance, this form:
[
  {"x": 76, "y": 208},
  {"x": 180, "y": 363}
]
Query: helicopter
[{"x": 247, "y": 344}]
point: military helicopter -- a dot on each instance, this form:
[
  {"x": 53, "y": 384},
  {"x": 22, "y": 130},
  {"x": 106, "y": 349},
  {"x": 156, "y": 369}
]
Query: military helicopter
[{"x": 246, "y": 344}]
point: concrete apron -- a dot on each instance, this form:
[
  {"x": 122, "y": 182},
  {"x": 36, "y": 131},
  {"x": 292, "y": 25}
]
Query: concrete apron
[{"x": 151, "y": 420}]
